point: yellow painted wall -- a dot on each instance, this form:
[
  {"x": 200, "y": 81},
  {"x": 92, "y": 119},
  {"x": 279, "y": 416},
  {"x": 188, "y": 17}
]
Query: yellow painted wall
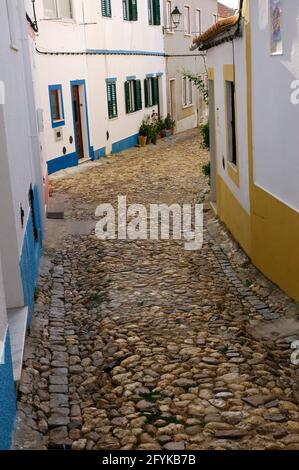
[
  {"x": 233, "y": 215},
  {"x": 275, "y": 241},
  {"x": 274, "y": 225},
  {"x": 270, "y": 234}
]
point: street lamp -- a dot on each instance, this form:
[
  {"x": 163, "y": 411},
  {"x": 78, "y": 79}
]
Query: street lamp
[{"x": 175, "y": 20}]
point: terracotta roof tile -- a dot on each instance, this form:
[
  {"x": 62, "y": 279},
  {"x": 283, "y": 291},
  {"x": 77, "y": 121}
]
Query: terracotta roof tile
[{"x": 220, "y": 27}]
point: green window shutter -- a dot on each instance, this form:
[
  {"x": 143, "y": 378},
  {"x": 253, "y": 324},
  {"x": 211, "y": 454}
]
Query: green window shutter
[
  {"x": 146, "y": 83},
  {"x": 155, "y": 83},
  {"x": 127, "y": 97},
  {"x": 112, "y": 101},
  {"x": 106, "y": 7},
  {"x": 138, "y": 96},
  {"x": 133, "y": 10},
  {"x": 156, "y": 12}
]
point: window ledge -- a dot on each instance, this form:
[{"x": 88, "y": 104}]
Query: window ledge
[
  {"x": 233, "y": 166},
  {"x": 188, "y": 106},
  {"x": 17, "y": 321},
  {"x": 59, "y": 20},
  {"x": 58, "y": 124}
]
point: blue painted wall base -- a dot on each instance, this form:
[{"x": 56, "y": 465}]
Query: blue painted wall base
[
  {"x": 8, "y": 398},
  {"x": 125, "y": 144},
  {"x": 99, "y": 153},
  {"x": 61, "y": 163},
  {"x": 30, "y": 257}
]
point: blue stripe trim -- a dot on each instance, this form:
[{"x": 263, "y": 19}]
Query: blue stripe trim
[
  {"x": 160, "y": 74},
  {"x": 124, "y": 52},
  {"x": 99, "y": 153},
  {"x": 61, "y": 163},
  {"x": 149, "y": 75},
  {"x": 111, "y": 80},
  {"x": 30, "y": 258},
  {"x": 131, "y": 77},
  {"x": 62, "y": 122},
  {"x": 8, "y": 398},
  {"x": 125, "y": 144}
]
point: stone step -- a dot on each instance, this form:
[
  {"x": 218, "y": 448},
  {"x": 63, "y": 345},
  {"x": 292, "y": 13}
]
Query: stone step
[{"x": 17, "y": 320}]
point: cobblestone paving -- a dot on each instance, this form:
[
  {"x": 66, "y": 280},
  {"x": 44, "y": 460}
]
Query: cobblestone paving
[{"x": 143, "y": 345}]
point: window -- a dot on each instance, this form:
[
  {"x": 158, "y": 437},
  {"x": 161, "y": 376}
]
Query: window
[
  {"x": 133, "y": 95},
  {"x": 111, "y": 99},
  {"x": 154, "y": 12},
  {"x": 187, "y": 92},
  {"x": 106, "y": 8},
  {"x": 198, "y": 29},
  {"x": 231, "y": 122},
  {"x": 151, "y": 91},
  {"x": 130, "y": 10},
  {"x": 168, "y": 14},
  {"x": 56, "y": 105},
  {"x": 187, "y": 20},
  {"x": 58, "y": 9},
  {"x": 215, "y": 19}
]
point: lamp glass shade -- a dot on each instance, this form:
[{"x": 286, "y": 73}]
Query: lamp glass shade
[{"x": 176, "y": 17}]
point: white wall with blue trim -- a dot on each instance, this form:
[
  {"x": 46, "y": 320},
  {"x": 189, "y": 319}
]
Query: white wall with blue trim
[
  {"x": 91, "y": 48},
  {"x": 21, "y": 196}
]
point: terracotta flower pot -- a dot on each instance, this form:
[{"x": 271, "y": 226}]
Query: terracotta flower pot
[
  {"x": 163, "y": 133},
  {"x": 142, "y": 140}
]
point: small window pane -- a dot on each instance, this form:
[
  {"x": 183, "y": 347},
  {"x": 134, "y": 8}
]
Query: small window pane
[
  {"x": 56, "y": 109},
  {"x": 50, "y": 9},
  {"x": 65, "y": 9}
]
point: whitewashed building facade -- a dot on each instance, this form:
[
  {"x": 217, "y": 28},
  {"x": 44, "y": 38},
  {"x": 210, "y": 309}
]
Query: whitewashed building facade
[
  {"x": 253, "y": 71},
  {"x": 101, "y": 69},
  {"x": 184, "y": 102},
  {"x": 21, "y": 204}
]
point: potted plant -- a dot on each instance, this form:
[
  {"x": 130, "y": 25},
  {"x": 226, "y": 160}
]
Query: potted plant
[
  {"x": 143, "y": 133},
  {"x": 162, "y": 128},
  {"x": 169, "y": 123},
  {"x": 154, "y": 133}
]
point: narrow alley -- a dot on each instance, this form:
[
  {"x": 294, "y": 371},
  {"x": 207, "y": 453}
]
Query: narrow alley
[{"x": 144, "y": 345}]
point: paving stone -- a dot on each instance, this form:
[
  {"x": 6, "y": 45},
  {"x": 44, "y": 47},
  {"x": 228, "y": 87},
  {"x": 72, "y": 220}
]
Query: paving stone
[{"x": 144, "y": 345}]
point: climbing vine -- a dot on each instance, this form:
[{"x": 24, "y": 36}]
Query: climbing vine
[{"x": 199, "y": 82}]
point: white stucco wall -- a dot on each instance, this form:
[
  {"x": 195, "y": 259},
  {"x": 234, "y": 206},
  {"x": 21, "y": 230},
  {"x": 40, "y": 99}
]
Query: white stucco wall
[
  {"x": 275, "y": 119},
  {"x": 19, "y": 163},
  {"x": 180, "y": 59},
  {"x": 217, "y": 57}
]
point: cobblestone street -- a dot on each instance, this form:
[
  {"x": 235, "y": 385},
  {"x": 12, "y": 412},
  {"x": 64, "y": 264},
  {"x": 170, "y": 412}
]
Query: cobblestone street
[{"x": 144, "y": 345}]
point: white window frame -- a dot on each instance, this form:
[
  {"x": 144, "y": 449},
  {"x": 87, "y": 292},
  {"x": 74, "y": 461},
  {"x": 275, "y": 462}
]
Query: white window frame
[
  {"x": 198, "y": 21},
  {"x": 187, "y": 18},
  {"x": 169, "y": 24},
  {"x": 187, "y": 93},
  {"x": 215, "y": 18},
  {"x": 58, "y": 13}
]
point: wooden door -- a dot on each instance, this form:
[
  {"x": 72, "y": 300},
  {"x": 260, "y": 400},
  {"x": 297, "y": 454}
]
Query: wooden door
[{"x": 78, "y": 121}]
